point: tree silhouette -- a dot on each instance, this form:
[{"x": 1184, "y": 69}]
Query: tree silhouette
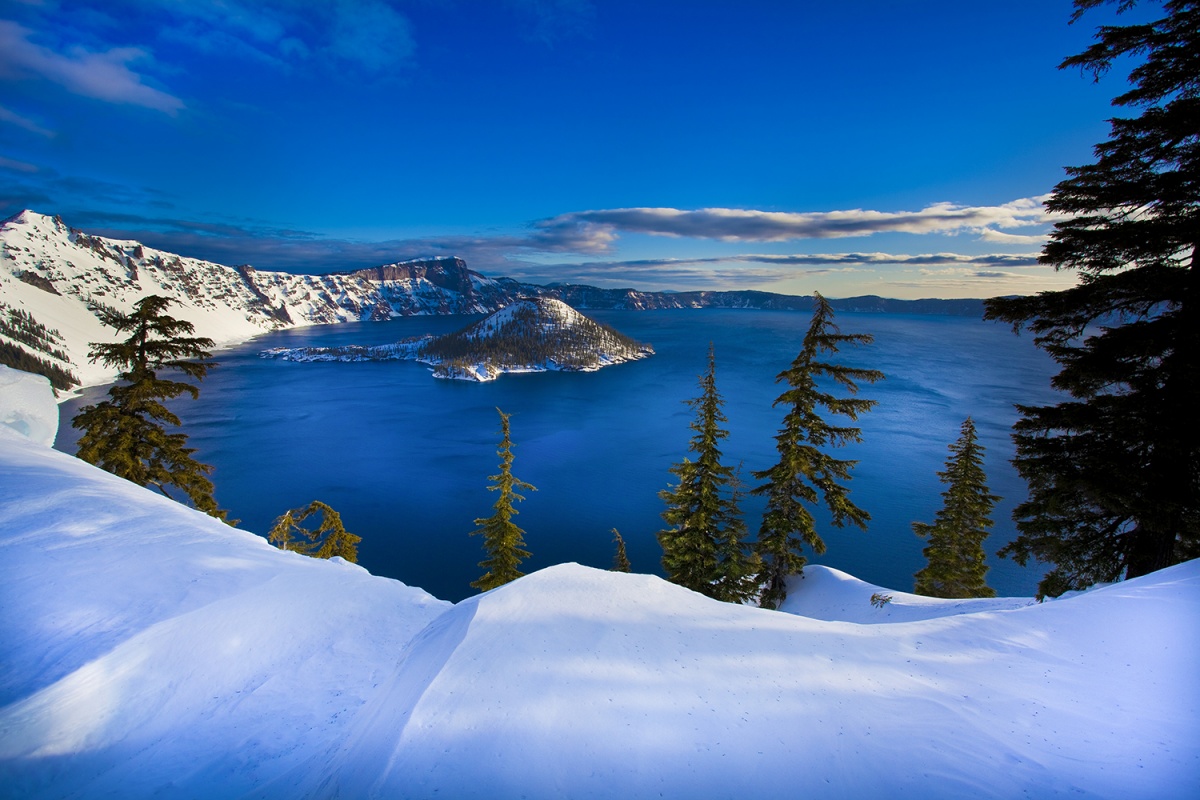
[{"x": 1114, "y": 471}]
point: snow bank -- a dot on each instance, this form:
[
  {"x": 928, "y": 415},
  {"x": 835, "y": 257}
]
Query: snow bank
[
  {"x": 28, "y": 406},
  {"x": 830, "y": 594},
  {"x": 150, "y": 651}
]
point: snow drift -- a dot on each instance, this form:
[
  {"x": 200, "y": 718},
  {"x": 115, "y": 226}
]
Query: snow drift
[{"x": 153, "y": 651}]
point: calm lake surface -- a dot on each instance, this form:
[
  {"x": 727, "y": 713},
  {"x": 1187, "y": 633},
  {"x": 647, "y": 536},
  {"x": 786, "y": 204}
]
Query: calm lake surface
[{"x": 405, "y": 458}]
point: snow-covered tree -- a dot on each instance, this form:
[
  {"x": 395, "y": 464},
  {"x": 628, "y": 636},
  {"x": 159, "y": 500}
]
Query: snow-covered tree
[
  {"x": 956, "y": 565},
  {"x": 503, "y": 541},
  {"x": 127, "y": 434},
  {"x": 805, "y": 474}
]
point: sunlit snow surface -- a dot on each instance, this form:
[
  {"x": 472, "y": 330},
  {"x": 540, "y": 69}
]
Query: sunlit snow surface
[{"x": 152, "y": 651}]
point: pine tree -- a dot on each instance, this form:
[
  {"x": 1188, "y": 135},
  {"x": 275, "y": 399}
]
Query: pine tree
[
  {"x": 621, "y": 559},
  {"x": 704, "y": 548},
  {"x": 126, "y": 434},
  {"x": 956, "y": 565},
  {"x": 327, "y": 540},
  {"x": 1114, "y": 471},
  {"x": 502, "y": 540},
  {"x": 805, "y": 474}
]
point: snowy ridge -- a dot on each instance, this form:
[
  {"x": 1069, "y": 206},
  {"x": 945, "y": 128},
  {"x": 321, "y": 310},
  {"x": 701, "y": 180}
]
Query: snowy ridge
[
  {"x": 61, "y": 276},
  {"x": 151, "y": 651},
  {"x": 532, "y": 335}
]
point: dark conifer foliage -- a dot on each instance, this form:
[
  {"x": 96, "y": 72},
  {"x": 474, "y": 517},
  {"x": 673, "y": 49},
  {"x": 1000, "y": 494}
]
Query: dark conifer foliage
[
  {"x": 805, "y": 474},
  {"x": 704, "y": 549},
  {"x": 620, "y": 559},
  {"x": 1114, "y": 472},
  {"x": 127, "y": 434},
  {"x": 327, "y": 540},
  {"x": 956, "y": 565},
  {"x": 503, "y": 541}
]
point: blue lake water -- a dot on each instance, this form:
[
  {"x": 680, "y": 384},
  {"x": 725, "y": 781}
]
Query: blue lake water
[{"x": 405, "y": 457}]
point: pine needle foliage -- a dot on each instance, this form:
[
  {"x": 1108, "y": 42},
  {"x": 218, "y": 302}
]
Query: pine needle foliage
[
  {"x": 621, "y": 559},
  {"x": 327, "y": 540},
  {"x": 1114, "y": 471},
  {"x": 127, "y": 434},
  {"x": 805, "y": 474},
  {"x": 956, "y": 565},
  {"x": 503, "y": 541},
  {"x": 704, "y": 548}
]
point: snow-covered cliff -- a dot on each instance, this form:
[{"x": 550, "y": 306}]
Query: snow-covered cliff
[{"x": 60, "y": 276}]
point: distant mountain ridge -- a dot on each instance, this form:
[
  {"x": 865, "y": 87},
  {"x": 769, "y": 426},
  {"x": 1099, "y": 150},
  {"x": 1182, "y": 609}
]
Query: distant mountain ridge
[{"x": 60, "y": 277}]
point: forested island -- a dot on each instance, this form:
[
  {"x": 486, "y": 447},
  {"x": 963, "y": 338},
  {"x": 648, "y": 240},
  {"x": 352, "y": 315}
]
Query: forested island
[{"x": 536, "y": 334}]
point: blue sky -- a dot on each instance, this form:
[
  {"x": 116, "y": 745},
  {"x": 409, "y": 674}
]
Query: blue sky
[{"x": 892, "y": 148}]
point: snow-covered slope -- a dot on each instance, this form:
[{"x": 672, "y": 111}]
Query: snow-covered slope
[
  {"x": 61, "y": 276},
  {"x": 150, "y": 651}
]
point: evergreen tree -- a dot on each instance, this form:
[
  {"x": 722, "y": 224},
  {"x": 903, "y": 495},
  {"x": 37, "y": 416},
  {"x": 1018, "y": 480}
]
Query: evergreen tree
[
  {"x": 620, "y": 560},
  {"x": 126, "y": 434},
  {"x": 704, "y": 548},
  {"x": 1114, "y": 471},
  {"x": 502, "y": 540},
  {"x": 805, "y": 474},
  {"x": 956, "y": 566},
  {"x": 327, "y": 540}
]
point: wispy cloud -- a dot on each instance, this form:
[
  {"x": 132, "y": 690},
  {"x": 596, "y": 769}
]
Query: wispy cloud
[
  {"x": 13, "y": 118},
  {"x": 743, "y": 225},
  {"x": 103, "y": 75},
  {"x": 553, "y": 20},
  {"x": 727, "y": 272},
  {"x": 17, "y": 166},
  {"x": 370, "y": 35}
]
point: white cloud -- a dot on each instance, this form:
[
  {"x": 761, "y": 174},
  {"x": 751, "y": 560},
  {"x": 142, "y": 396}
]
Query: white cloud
[
  {"x": 100, "y": 75},
  {"x": 733, "y": 225},
  {"x": 1000, "y": 237}
]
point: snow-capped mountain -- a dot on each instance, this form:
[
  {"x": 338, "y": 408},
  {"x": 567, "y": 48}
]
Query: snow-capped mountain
[
  {"x": 533, "y": 334},
  {"x": 151, "y": 651},
  {"x": 60, "y": 277}
]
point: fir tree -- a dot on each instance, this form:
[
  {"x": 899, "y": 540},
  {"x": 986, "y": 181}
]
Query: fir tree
[
  {"x": 327, "y": 540},
  {"x": 502, "y": 540},
  {"x": 1114, "y": 471},
  {"x": 704, "y": 548},
  {"x": 620, "y": 560},
  {"x": 956, "y": 566},
  {"x": 126, "y": 434},
  {"x": 805, "y": 474}
]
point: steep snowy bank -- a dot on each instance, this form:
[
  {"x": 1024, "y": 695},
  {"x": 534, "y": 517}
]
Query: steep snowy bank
[{"x": 152, "y": 651}]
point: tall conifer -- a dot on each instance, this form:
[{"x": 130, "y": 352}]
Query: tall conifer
[
  {"x": 956, "y": 564},
  {"x": 1114, "y": 471},
  {"x": 503, "y": 541},
  {"x": 127, "y": 434},
  {"x": 805, "y": 473},
  {"x": 704, "y": 548}
]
